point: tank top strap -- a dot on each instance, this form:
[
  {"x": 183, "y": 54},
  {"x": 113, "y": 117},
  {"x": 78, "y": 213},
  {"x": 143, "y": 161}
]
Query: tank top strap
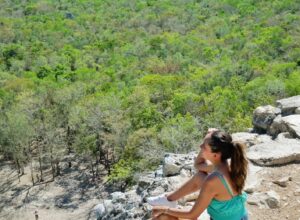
[{"x": 224, "y": 182}]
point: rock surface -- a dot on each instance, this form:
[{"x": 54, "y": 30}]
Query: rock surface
[
  {"x": 174, "y": 163},
  {"x": 263, "y": 117},
  {"x": 66, "y": 198},
  {"x": 288, "y": 105},
  {"x": 275, "y": 152},
  {"x": 289, "y": 124}
]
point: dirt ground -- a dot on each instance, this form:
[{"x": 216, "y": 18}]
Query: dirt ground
[
  {"x": 71, "y": 198},
  {"x": 289, "y": 207}
]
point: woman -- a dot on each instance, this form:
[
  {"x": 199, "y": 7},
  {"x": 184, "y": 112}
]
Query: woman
[{"x": 221, "y": 191}]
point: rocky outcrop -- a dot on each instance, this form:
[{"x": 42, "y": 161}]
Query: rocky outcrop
[
  {"x": 132, "y": 204},
  {"x": 278, "y": 145},
  {"x": 289, "y": 105},
  {"x": 275, "y": 152},
  {"x": 174, "y": 163},
  {"x": 289, "y": 124},
  {"x": 263, "y": 117},
  {"x": 275, "y": 120},
  {"x": 284, "y": 129}
]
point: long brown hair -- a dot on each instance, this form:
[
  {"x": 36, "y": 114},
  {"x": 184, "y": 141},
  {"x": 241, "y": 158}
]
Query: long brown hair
[{"x": 222, "y": 142}]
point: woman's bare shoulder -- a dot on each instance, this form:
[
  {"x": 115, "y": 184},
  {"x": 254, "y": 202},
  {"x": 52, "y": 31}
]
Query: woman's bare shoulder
[{"x": 212, "y": 178}]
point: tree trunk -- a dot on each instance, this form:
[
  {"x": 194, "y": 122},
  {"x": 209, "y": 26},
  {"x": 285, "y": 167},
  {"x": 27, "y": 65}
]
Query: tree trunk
[
  {"x": 97, "y": 168},
  {"x": 57, "y": 168},
  {"x": 18, "y": 166},
  {"x": 19, "y": 171},
  {"x": 98, "y": 147},
  {"x": 31, "y": 170},
  {"x": 22, "y": 169},
  {"x": 107, "y": 162},
  {"x": 69, "y": 143},
  {"x": 93, "y": 171},
  {"x": 52, "y": 164},
  {"x": 41, "y": 170}
]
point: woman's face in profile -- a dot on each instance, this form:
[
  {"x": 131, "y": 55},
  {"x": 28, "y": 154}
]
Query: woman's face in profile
[{"x": 205, "y": 148}]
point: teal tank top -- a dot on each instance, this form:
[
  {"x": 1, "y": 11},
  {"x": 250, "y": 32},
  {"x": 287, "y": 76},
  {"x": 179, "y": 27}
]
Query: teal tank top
[{"x": 232, "y": 209}]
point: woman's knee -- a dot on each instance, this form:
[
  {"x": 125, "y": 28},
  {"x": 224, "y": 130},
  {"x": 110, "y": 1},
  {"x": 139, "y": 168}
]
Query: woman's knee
[{"x": 166, "y": 217}]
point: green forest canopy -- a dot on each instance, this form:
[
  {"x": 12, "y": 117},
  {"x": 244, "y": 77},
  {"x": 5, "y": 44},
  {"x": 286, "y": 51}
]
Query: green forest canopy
[{"x": 122, "y": 81}]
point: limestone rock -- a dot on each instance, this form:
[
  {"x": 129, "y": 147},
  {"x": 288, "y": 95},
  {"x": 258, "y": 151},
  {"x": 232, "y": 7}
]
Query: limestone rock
[
  {"x": 283, "y": 182},
  {"x": 263, "y": 117},
  {"x": 275, "y": 152},
  {"x": 173, "y": 163},
  {"x": 288, "y": 105},
  {"x": 297, "y": 192},
  {"x": 252, "y": 180},
  {"x": 176, "y": 181},
  {"x": 273, "y": 200},
  {"x": 158, "y": 191},
  {"x": 283, "y": 136},
  {"x": 292, "y": 123},
  {"x": 257, "y": 199},
  {"x": 159, "y": 172},
  {"x": 263, "y": 138},
  {"x": 297, "y": 111},
  {"x": 289, "y": 124},
  {"x": 248, "y": 138},
  {"x": 253, "y": 200},
  {"x": 144, "y": 183},
  {"x": 118, "y": 197},
  {"x": 99, "y": 211},
  {"x": 133, "y": 196},
  {"x": 277, "y": 126},
  {"x": 108, "y": 204}
]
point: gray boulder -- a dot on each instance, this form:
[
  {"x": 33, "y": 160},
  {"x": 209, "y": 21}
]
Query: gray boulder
[
  {"x": 289, "y": 124},
  {"x": 252, "y": 180},
  {"x": 251, "y": 139},
  {"x": 118, "y": 197},
  {"x": 248, "y": 138},
  {"x": 144, "y": 183},
  {"x": 288, "y": 105},
  {"x": 263, "y": 117},
  {"x": 283, "y": 182},
  {"x": 275, "y": 152},
  {"x": 272, "y": 199},
  {"x": 269, "y": 199},
  {"x": 173, "y": 163},
  {"x": 99, "y": 211}
]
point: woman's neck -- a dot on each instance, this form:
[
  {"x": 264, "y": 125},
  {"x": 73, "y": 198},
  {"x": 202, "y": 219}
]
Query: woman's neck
[{"x": 220, "y": 166}]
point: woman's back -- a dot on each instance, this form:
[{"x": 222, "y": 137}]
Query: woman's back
[{"x": 227, "y": 203}]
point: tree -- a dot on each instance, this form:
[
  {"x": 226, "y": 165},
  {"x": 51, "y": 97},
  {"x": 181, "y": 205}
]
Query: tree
[
  {"x": 15, "y": 139},
  {"x": 180, "y": 134}
]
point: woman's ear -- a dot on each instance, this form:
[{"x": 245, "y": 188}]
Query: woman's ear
[{"x": 216, "y": 155}]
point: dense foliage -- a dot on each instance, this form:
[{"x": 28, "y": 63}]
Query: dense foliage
[{"x": 120, "y": 82}]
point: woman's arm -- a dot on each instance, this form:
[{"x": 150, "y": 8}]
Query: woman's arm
[
  {"x": 201, "y": 165},
  {"x": 206, "y": 195}
]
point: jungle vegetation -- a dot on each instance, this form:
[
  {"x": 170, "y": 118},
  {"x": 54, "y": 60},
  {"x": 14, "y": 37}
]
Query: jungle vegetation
[{"x": 118, "y": 83}]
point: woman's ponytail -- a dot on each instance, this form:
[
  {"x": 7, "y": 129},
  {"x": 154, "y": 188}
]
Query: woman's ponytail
[
  {"x": 238, "y": 166},
  {"x": 222, "y": 142}
]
